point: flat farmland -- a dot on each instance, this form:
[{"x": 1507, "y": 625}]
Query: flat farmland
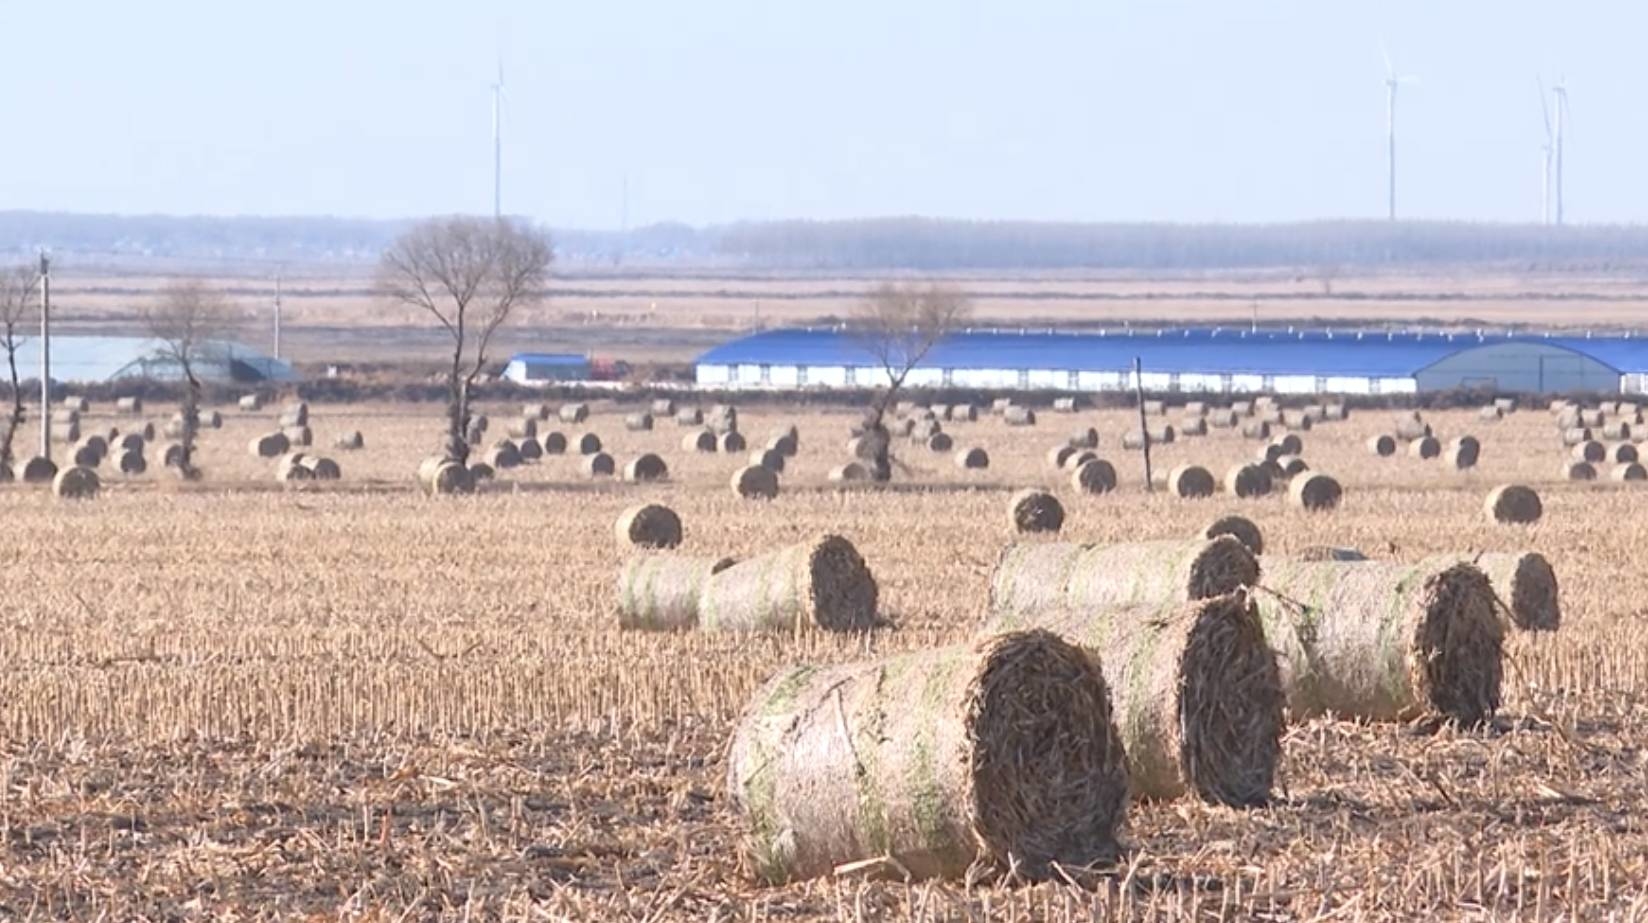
[{"x": 245, "y": 700}]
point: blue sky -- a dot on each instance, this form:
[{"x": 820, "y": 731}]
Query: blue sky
[{"x": 719, "y": 110}]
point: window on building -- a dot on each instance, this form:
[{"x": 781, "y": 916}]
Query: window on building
[
  {"x": 732, "y": 373},
  {"x": 800, "y": 374},
  {"x": 1024, "y": 379},
  {"x": 852, "y": 375},
  {"x": 949, "y": 377},
  {"x": 766, "y": 374},
  {"x": 1072, "y": 380}
]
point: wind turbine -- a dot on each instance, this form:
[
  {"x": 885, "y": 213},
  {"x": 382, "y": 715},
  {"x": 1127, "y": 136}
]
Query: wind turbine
[
  {"x": 1392, "y": 82},
  {"x": 1548, "y": 149},
  {"x": 1560, "y": 104},
  {"x": 498, "y": 142}
]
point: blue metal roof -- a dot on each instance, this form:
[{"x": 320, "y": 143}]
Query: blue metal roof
[
  {"x": 550, "y": 358},
  {"x": 1221, "y": 350}
]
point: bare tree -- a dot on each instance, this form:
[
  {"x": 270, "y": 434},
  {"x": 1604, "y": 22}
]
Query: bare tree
[
  {"x": 898, "y": 325},
  {"x": 470, "y": 274},
  {"x": 17, "y": 286},
  {"x": 190, "y": 322}
]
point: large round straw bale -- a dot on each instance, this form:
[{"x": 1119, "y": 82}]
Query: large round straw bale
[
  {"x": 1221, "y": 419},
  {"x": 689, "y": 416},
  {"x": 1410, "y": 429},
  {"x": 1630, "y": 471},
  {"x": 1149, "y": 573},
  {"x": 646, "y": 468},
  {"x": 535, "y": 411},
  {"x": 1624, "y": 454},
  {"x": 1191, "y": 482},
  {"x": 1513, "y": 503},
  {"x": 271, "y": 445},
  {"x": 65, "y": 417},
  {"x": 291, "y": 468},
  {"x": 132, "y": 406},
  {"x": 1032, "y": 576},
  {"x": 972, "y": 459},
  {"x": 1242, "y": 408},
  {"x": 1290, "y": 444},
  {"x": 1035, "y": 511},
  {"x": 1329, "y": 553},
  {"x": 1593, "y": 452},
  {"x": 1271, "y": 415},
  {"x": 323, "y": 469},
  {"x": 1384, "y": 641},
  {"x": 821, "y": 583},
  {"x": 1490, "y": 414},
  {"x": 1464, "y": 451},
  {"x": 1315, "y": 491},
  {"x": 1594, "y": 419},
  {"x": 1079, "y": 458},
  {"x": 1064, "y": 405},
  {"x": 1133, "y": 439},
  {"x": 1336, "y": 412},
  {"x": 131, "y": 461},
  {"x": 588, "y": 444},
  {"x": 599, "y": 465},
  {"x": 88, "y": 454},
  {"x": 523, "y": 428},
  {"x": 1155, "y": 408},
  {"x": 1576, "y": 436},
  {"x": 1568, "y": 418},
  {"x": 1247, "y": 481},
  {"x": 1290, "y": 466},
  {"x": 649, "y": 525},
  {"x": 1257, "y": 429},
  {"x": 1095, "y": 476},
  {"x": 898, "y": 428},
  {"x": 350, "y": 441},
  {"x": 1241, "y": 528},
  {"x": 297, "y": 412},
  {"x": 1193, "y": 426},
  {"x": 659, "y": 592},
  {"x": 1163, "y": 435},
  {"x": 211, "y": 419},
  {"x": 481, "y": 471},
  {"x": 574, "y": 413},
  {"x": 771, "y": 459},
  {"x": 250, "y": 402},
  {"x": 1524, "y": 583},
  {"x": 74, "y": 402},
  {"x": 1427, "y": 447},
  {"x": 299, "y": 435},
  {"x": 1018, "y": 415},
  {"x": 1297, "y": 419},
  {"x": 1269, "y": 452},
  {"x": 638, "y": 422},
  {"x": 530, "y": 449},
  {"x": 962, "y": 413},
  {"x": 443, "y": 476},
  {"x": 731, "y": 443},
  {"x": 1196, "y": 691},
  {"x": 171, "y": 455},
  {"x": 68, "y": 433},
  {"x": 38, "y": 470},
  {"x": 503, "y": 455},
  {"x": 722, "y": 418},
  {"x": 940, "y": 442},
  {"x": 553, "y": 443},
  {"x": 1382, "y": 445},
  {"x": 1086, "y": 438},
  {"x": 1578, "y": 471},
  {"x": 662, "y": 407},
  {"x": 995, "y": 758},
  {"x": 76, "y": 483},
  {"x": 701, "y": 441},
  {"x": 851, "y": 472},
  {"x": 785, "y": 445},
  {"x": 921, "y": 429},
  {"x": 1059, "y": 454},
  {"x": 174, "y": 428},
  {"x": 755, "y": 482}
]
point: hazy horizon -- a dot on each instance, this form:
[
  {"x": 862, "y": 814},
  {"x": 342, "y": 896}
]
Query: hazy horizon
[{"x": 1181, "y": 112}]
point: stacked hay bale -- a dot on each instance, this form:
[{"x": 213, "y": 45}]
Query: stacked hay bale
[
  {"x": 1031, "y": 577},
  {"x": 822, "y": 583}
]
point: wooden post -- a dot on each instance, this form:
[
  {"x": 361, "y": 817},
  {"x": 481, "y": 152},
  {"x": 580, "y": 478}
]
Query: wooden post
[{"x": 1144, "y": 428}]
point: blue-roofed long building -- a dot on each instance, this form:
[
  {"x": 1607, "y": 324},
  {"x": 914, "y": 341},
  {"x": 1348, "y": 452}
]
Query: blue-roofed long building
[{"x": 1205, "y": 360}]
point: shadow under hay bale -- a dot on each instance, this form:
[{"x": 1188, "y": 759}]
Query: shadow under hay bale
[
  {"x": 1196, "y": 693},
  {"x": 1035, "y": 512},
  {"x": 1241, "y": 528},
  {"x": 819, "y": 584},
  {"x": 659, "y": 592},
  {"x": 649, "y": 525},
  {"x": 1329, "y": 553},
  {"x": 991, "y": 757},
  {"x": 1383, "y": 641}
]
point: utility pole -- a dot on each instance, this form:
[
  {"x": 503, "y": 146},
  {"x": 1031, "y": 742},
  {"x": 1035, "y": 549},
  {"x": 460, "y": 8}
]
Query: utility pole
[
  {"x": 1144, "y": 427},
  {"x": 277, "y": 315},
  {"x": 45, "y": 356}
]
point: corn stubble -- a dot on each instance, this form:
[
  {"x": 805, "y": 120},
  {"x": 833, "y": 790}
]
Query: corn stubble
[{"x": 364, "y": 703}]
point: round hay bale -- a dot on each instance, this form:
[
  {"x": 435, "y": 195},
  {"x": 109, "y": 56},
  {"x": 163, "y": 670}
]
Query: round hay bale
[
  {"x": 1241, "y": 528},
  {"x": 1427, "y": 447},
  {"x": 1464, "y": 452},
  {"x": 1593, "y": 452},
  {"x": 1133, "y": 440},
  {"x": 862, "y": 448},
  {"x": 822, "y": 583},
  {"x": 999, "y": 405},
  {"x": 1152, "y": 573},
  {"x": 1382, "y": 445},
  {"x": 1410, "y": 430},
  {"x": 903, "y": 428},
  {"x": 1193, "y": 426},
  {"x": 171, "y": 456},
  {"x": 147, "y": 432},
  {"x": 299, "y": 435},
  {"x": 553, "y": 443},
  {"x": 1336, "y": 412},
  {"x": 646, "y": 469},
  {"x": 1630, "y": 471},
  {"x": 1222, "y": 419},
  {"x": 1513, "y": 503},
  {"x": 722, "y": 419},
  {"x": 1289, "y": 467},
  {"x": 1257, "y": 429},
  {"x": 1031, "y": 576},
  {"x": 1297, "y": 420},
  {"x": 1383, "y": 641},
  {"x": 77, "y": 403},
  {"x": 291, "y": 468},
  {"x": 689, "y": 416},
  {"x": 731, "y": 443},
  {"x": 784, "y": 444},
  {"x": 65, "y": 417},
  {"x": 659, "y": 592},
  {"x": 588, "y": 444},
  {"x": 1058, "y": 455},
  {"x": 88, "y": 454},
  {"x": 1624, "y": 454},
  {"x": 272, "y": 445},
  {"x": 1594, "y": 419},
  {"x": 1270, "y": 414},
  {"x": 662, "y": 407},
  {"x": 1578, "y": 471},
  {"x": 68, "y": 433},
  {"x": 1079, "y": 458},
  {"x": 525, "y": 428},
  {"x": 1087, "y": 438},
  {"x": 1290, "y": 444},
  {"x": 350, "y": 442},
  {"x": 535, "y": 411},
  {"x": 132, "y": 462},
  {"x": 502, "y": 455},
  {"x": 599, "y": 465},
  {"x": 574, "y": 413},
  {"x": 132, "y": 406},
  {"x": 1035, "y": 512},
  {"x": 1064, "y": 405},
  {"x": 1269, "y": 452},
  {"x": 1242, "y": 408},
  {"x": 1191, "y": 482},
  {"x": 1490, "y": 414},
  {"x": 76, "y": 483},
  {"x": 1248, "y": 481},
  {"x": 850, "y": 473},
  {"x": 1155, "y": 408},
  {"x": 962, "y": 413},
  {"x": 1576, "y": 436},
  {"x": 1195, "y": 408},
  {"x": 39, "y": 470},
  {"x": 173, "y": 429},
  {"x": 973, "y": 459},
  {"x": 921, "y": 430},
  {"x": 1197, "y": 693},
  {"x": 755, "y": 482},
  {"x": 638, "y": 422},
  {"x": 1524, "y": 584},
  {"x": 701, "y": 441},
  {"x": 211, "y": 419},
  {"x": 1163, "y": 435},
  {"x": 1010, "y": 761},
  {"x": 1017, "y": 415},
  {"x": 481, "y": 471},
  {"x": 530, "y": 450},
  {"x": 1329, "y": 553},
  {"x": 250, "y": 403},
  {"x": 648, "y": 525},
  {"x": 940, "y": 442},
  {"x": 444, "y": 477},
  {"x": 1315, "y": 492},
  {"x": 770, "y": 459},
  {"x": 297, "y": 413},
  {"x": 1095, "y": 476},
  {"x": 940, "y": 412},
  {"x": 323, "y": 469}
]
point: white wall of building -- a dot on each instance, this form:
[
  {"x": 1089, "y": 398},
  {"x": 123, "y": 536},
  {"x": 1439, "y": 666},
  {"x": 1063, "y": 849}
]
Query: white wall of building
[{"x": 756, "y": 377}]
